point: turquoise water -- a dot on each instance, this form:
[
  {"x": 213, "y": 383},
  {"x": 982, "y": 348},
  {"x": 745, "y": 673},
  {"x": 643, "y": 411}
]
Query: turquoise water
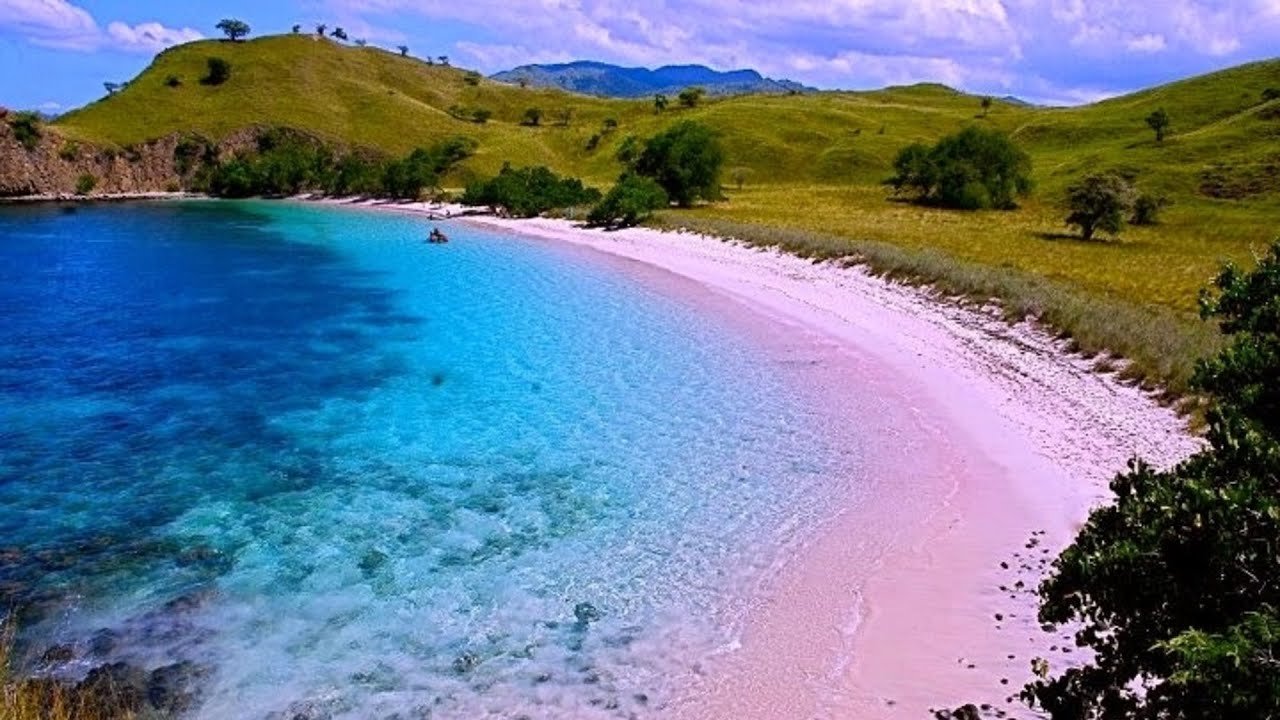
[{"x": 346, "y": 472}]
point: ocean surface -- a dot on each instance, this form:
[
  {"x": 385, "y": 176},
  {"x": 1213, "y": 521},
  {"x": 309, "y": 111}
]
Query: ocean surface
[{"x": 329, "y": 470}]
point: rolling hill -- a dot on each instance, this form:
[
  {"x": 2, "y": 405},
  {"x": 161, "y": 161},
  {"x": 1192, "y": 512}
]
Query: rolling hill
[
  {"x": 810, "y": 164},
  {"x": 605, "y": 80}
]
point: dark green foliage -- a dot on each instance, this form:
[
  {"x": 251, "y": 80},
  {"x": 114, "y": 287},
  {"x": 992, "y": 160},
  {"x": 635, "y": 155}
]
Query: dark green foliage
[
  {"x": 189, "y": 151},
  {"x": 173, "y": 81},
  {"x": 987, "y": 102},
  {"x": 610, "y": 124},
  {"x": 974, "y": 169},
  {"x": 529, "y": 191},
  {"x": 1100, "y": 202},
  {"x": 404, "y": 50},
  {"x": 338, "y": 33},
  {"x": 26, "y": 128},
  {"x": 1147, "y": 208},
  {"x": 630, "y": 201},
  {"x": 532, "y": 117},
  {"x": 660, "y": 102},
  {"x": 288, "y": 163},
  {"x": 1159, "y": 122},
  {"x": 320, "y": 29},
  {"x": 472, "y": 78},
  {"x": 685, "y": 160},
  {"x": 296, "y": 29},
  {"x": 1176, "y": 585},
  {"x": 233, "y": 29},
  {"x": 690, "y": 97},
  {"x": 1270, "y": 94},
  {"x": 70, "y": 151},
  {"x": 593, "y": 142},
  {"x": 219, "y": 71},
  {"x": 112, "y": 87},
  {"x": 85, "y": 184},
  {"x": 479, "y": 116}
]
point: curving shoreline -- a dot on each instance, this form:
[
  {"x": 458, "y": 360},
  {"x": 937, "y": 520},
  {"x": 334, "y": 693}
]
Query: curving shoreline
[{"x": 996, "y": 442}]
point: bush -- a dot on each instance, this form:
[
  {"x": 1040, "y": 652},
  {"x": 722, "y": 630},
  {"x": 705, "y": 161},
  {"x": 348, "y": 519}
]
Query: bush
[
  {"x": 629, "y": 202},
  {"x": 1175, "y": 585},
  {"x": 528, "y": 192},
  {"x": 532, "y": 117},
  {"x": 1100, "y": 202},
  {"x": 1270, "y": 94},
  {"x": 472, "y": 78},
  {"x": 219, "y": 71},
  {"x": 1147, "y": 208},
  {"x": 975, "y": 169},
  {"x": 85, "y": 184},
  {"x": 173, "y": 81},
  {"x": 690, "y": 97},
  {"x": 685, "y": 160},
  {"x": 26, "y": 129},
  {"x": 70, "y": 151}
]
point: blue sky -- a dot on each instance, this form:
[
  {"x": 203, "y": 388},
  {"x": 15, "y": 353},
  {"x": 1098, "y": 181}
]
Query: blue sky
[{"x": 55, "y": 54}]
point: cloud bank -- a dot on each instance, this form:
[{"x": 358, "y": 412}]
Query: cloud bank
[{"x": 65, "y": 26}]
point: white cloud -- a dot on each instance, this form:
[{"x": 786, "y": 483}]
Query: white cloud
[
  {"x": 149, "y": 36},
  {"x": 61, "y": 24},
  {"x": 1149, "y": 43}
]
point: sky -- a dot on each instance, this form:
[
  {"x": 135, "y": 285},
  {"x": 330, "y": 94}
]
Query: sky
[{"x": 56, "y": 54}]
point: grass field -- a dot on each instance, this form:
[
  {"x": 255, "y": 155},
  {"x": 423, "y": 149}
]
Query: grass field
[{"x": 812, "y": 165}]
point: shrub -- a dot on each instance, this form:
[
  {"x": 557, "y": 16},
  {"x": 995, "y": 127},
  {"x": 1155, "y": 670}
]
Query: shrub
[
  {"x": 660, "y": 102},
  {"x": 85, "y": 184},
  {"x": 685, "y": 160},
  {"x": 532, "y": 117},
  {"x": 70, "y": 151},
  {"x": 26, "y": 128},
  {"x": 1099, "y": 202},
  {"x": 528, "y": 192},
  {"x": 1159, "y": 122},
  {"x": 471, "y": 78},
  {"x": 1270, "y": 94},
  {"x": 1147, "y": 208},
  {"x": 609, "y": 125},
  {"x": 630, "y": 201},
  {"x": 593, "y": 142},
  {"x": 975, "y": 169},
  {"x": 219, "y": 71},
  {"x": 1175, "y": 585},
  {"x": 338, "y": 33},
  {"x": 173, "y": 81},
  {"x": 690, "y": 97}
]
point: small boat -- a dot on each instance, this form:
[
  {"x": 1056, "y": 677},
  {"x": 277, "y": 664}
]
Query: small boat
[{"x": 436, "y": 237}]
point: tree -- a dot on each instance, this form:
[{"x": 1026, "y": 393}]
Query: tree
[
  {"x": 219, "y": 71},
  {"x": 690, "y": 97},
  {"x": 443, "y": 60},
  {"x": 1159, "y": 121},
  {"x": 361, "y": 42},
  {"x": 974, "y": 169},
  {"x": 1270, "y": 94},
  {"x": 26, "y": 128},
  {"x": 1099, "y": 202},
  {"x": 1175, "y": 585},
  {"x": 630, "y": 201},
  {"x": 296, "y": 29},
  {"x": 685, "y": 160},
  {"x": 1147, "y": 208},
  {"x": 338, "y": 33},
  {"x": 532, "y": 117},
  {"x": 987, "y": 102},
  {"x": 530, "y": 191},
  {"x": 660, "y": 102},
  {"x": 404, "y": 50},
  {"x": 321, "y": 28},
  {"x": 610, "y": 124},
  {"x": 233, "y": 29},
  {"x": 112, "y": 87}
]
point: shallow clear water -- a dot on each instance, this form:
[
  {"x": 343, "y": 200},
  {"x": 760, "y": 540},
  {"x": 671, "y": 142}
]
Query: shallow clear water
[{"x": 352, "y": 474}]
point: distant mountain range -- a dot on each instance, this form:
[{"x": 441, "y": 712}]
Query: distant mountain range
[{"x": 605, "y": 80}]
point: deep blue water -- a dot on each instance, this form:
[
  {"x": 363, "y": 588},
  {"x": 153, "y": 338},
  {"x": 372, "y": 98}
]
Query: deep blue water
[{"x": 341, "y": 470}]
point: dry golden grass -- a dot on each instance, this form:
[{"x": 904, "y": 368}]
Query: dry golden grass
[{"x": 28, "y": 698}]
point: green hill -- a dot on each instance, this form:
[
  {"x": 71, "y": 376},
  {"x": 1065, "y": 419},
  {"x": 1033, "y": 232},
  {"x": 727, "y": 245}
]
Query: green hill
[{"x": 809, "y": 163}]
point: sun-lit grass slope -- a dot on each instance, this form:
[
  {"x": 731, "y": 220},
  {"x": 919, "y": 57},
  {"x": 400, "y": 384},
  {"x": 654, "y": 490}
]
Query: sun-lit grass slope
[{"x": 811, "y": 162}]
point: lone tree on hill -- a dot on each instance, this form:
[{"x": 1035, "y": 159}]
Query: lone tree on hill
[
  {"x": 320, "y": 29},
  {"x": 659, "y": 102},
  {"x": 690, "y": 97},
  {"x": 404, "y": 50},
  {"x": 233, "y": 29},
  {"x": 338, "y": 33},
  {"x": 1174, "y": 586},
  {"x": 112, "y": 87},
  {"x": 987, "y": 102},
  {"x": 296, "y": 29},
  {"x": 1100, "y": 202},
  {"x": 443, "y": 60},
  {"x": 532, "y": 117},
  {"x": 1159, "y": 121}
]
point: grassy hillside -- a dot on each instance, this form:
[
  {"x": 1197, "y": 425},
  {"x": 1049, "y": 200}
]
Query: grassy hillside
[{"x": 811, "y": 163}]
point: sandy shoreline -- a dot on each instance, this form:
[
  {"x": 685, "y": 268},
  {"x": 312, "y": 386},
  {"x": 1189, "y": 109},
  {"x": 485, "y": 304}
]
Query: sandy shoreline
[{"x": 994, "y": 443}]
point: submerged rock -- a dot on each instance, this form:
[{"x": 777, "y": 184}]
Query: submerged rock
[
  {"x": 175, "y": 689},
  {"x": 586, "y": 613}
]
